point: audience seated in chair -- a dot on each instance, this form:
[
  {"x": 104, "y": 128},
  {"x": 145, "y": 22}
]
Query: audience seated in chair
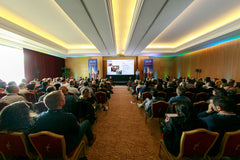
[
  {"x": 72, "y": 88},
  {"x": 173, "y": 127},
  {"x": 146, "y": 88},
  {"x": 148, "y": 102},
  {"x": 22, "y": 88},
  {"x": 15, "y": 117},
  {"x": 220, "y": 117},
  {"x": 12, "y": 95},
  {"x": 180, "y": 97},
  {"x": 57, "y": 121},
  {"x": 49, "y": 89}
]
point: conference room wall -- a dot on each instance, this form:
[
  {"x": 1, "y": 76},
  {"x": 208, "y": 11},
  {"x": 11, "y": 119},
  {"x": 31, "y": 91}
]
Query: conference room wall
[
  {"x": 79, "y": 66},
  {"x": 221, "y": 61}
]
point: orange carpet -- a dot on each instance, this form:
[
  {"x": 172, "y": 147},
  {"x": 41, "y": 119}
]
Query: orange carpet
[{"x": 122, "y": 133}]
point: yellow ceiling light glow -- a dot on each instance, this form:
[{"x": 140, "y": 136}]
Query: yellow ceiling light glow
[
  {"x": 30, "y": 27},
  {"x": 123, "y": 11},
  {"x": 233, "y": 16}
]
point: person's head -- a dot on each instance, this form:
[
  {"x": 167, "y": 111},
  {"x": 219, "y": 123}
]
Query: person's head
[
  {"x": 184, "y": 109},
  {"x": 12, "y": 83},
  {"x": 84, "y": 93},
  {"x": 71, "y": 82},
  {"x": 31, "y": 86},
  {"x": 224, "y": 104},
  {"x": 3, "y": 84},
  {"x": 218, "y": 83},
  {"x": 45, "y": 84},
  {"x": 14, "y": 115},
  {"x": 224, "y": 80},
  {"x": 198, "y": 84},
  {"x": 64, "y": 89},
  {"x": 50, "y": 89},
  {"x": 180, "y": 90},
  {"x": 85, "y": 83},
  {"x": 12, "y": 89},
  {"x": 22, "y": 85},
  {"x": 93, "y": 82},
  {"x": 54, "y": 100},
  {"x": 57, "y": 86},
  {"x": 219, "y": 92},
  {"x": 154, "y": 93}
]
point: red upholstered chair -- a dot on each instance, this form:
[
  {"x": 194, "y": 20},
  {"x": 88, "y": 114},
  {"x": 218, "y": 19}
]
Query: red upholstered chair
[
  {"x": 146, "y": 95},
  {"x": 40, "y": 107},
  {"x": 230, "y": 146},
  {"x": 162, "y": 94},
  {"x": 2, "y": 95},
  {"x": 14, "y": 145},
  {"x": 52, "y": 146},
  {"x": 101, "y": 98},
  {"x": 202, "y": 96},
  {"x": 159, "y": 109},
  {"x": 189, "y": 95},
  {"x": 30, "y": 97},
  {"x": 200, "y": 106},
  {"x": 194, "y": 144},
  {"x": 173, "y": 94}
]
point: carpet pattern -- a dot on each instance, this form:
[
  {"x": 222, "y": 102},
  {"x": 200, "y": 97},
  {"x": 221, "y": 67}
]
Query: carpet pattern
[{"x": 122, "y": 133}]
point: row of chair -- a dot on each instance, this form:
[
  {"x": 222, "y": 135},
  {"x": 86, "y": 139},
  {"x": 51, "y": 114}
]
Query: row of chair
[
  {"x": 46, "y": 145},
  {"x": 197, "y": 143}
]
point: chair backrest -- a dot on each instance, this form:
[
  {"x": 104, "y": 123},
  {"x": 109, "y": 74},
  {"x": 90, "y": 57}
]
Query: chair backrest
[
  {"x": 2, "y": 95},
  {"x": 30, "y": 97},
  {"x": 14, "y": 145},
  {"x": 40, "y": 107},
  {"x": 2, "y": 105},
  {"x": 159, "y": 109},
  {"x": 172, "y": 94},
  {"x": 146, "y": 95},
  {"x": 173, "y": 110},
  {"x": 189, "y": 95},
  {"x": 197, "y": 143},
  {"x": 162, "y": 94},
  {"x": 200, "y": 106},
  {"x": 48, "y": 145},
  {"x": 202, "y": 96},
  {"x": 230, "y": 145},
  {"x": 101, "y": 97}
]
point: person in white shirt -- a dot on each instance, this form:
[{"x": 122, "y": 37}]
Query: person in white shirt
[{"x": 72, "y": 89}]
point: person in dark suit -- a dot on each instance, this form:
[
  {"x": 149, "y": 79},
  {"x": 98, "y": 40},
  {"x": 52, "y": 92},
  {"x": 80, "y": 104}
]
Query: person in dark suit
[{"x": 57, "y": 121}]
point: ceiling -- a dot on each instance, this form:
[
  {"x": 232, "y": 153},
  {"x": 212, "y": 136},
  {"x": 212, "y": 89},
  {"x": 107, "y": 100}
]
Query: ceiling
[{"x": 73, "y": 28}]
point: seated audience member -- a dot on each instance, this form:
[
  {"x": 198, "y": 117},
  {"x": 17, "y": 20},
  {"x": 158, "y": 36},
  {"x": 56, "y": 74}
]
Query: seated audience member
[
  {"x": 147, "y": 103},
  {"x": 44, "y": 87},
  {"x": 86, "y": 105},
  {"x": 49, "y": 89},
  {"x": 146, "y": 88},
  {"x": 94, "y": 85},
  {"x": 135, "y": 83},
  {"x": 101, "y": 88},
  {"x": 57, "y": 85},
  {"x": 22, "y": 88},
  {"x": 72, "y": 89},
  {"x": 237, "y": 87},
  {"x": 170, "y": 88},
  {"x": 31, "y": 87},
  {"x": 173, "y": 127},
  {"x": 198, "y": 87},
  {"x": 86, "y": 85},
  {"x": 70, "y": 100},
  {"x": 15, "y": 117},
  {"x": 129, "y": 82},
  {"x": 180, "y": 96},
  {"x": 86, "y": 95},
  {"x": 12, "y": 83},
  {"x": 12, "y": 95},
  {"x": 159, "y": 86},
  {"x": 2, "y": 86},
  {"x": 220, "y": 117},
  {"x": 57, "y": 121}
]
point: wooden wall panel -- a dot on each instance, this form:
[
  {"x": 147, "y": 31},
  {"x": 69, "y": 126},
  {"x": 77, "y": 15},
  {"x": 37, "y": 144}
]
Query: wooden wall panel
[{"x": 221, "y": 61}]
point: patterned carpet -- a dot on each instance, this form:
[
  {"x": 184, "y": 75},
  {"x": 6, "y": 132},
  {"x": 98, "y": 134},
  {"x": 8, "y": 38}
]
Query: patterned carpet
[{"x": 122, "y": 133}]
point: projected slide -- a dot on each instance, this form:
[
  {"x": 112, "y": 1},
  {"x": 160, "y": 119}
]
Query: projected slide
[{"x": 120, "y": 67}]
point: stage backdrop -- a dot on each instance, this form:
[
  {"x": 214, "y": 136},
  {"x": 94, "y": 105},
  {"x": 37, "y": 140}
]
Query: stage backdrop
[
  {"x": 92, "y": 68},
  {"x": 148, "y": 68}
]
